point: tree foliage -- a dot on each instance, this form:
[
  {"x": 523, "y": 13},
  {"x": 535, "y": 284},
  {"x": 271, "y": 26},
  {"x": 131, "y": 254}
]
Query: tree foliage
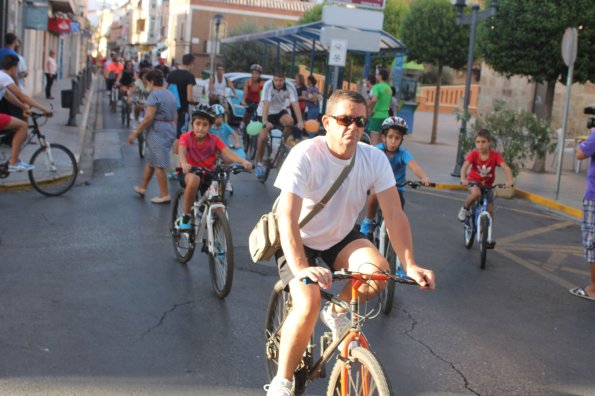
[
  {"x": 524, "y": 38},
  {"x": 394, "y": 12},
  {"x": 312, "y": 15},
  {"x": 432, "y": 36}
]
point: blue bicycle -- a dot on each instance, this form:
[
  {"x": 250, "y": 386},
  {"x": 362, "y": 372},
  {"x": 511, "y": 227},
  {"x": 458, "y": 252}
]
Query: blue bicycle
[{"x": 479, "y": 223}]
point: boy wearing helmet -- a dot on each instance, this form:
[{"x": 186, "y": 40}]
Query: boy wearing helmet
[
  {"x": 393, "y": 131},
  {"x": 199, "y": 148},
  {"x": 225, "y": 132}
]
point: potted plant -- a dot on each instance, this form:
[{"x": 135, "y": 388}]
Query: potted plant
[{"x": 517, "y": 134}]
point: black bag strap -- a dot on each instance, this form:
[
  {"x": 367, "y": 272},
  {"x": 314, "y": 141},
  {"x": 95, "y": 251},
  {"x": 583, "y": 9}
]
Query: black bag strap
[{"x": 329, "y": 194}]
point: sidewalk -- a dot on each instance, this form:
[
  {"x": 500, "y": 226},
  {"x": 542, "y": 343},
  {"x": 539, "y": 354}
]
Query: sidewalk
[
  {"x": 55, "y": 130},
  {"x": 438, "y": 161}
]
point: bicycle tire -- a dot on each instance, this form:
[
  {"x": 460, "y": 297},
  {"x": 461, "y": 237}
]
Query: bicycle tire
[
  {"x": 278, "y": 306},
  {"x": 123, "y": 115},
  {"x": 469, "y": 230},
  {"x": 360, "y": 362},
  {"x": 253, "y": 145},
  {"x": 54, "y": 173},
  {"x": 221, "y": 262},
  {"x": 388, "y": 294},
  {"x": 127, "y": 115},
  {"x": 140, "y": 139},
  {"x": 280, "y": 156},
  {"x": 268, "y": 164},
  {"x": 183, "y": 241},
  {"x": 483, "y": 246}
]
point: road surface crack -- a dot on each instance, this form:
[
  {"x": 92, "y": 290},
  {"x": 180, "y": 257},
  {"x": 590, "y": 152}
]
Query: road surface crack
[
  {"x": 409, "y": 332},
  {"x": 164, "y": 315}
]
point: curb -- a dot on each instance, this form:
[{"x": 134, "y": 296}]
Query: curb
[{"x": 531, "y": 197}]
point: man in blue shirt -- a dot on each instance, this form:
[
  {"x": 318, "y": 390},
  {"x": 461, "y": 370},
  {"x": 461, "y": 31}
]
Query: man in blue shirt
[
  {"x": 585, "y": 150},
  {"x": 10, "y": 43}
]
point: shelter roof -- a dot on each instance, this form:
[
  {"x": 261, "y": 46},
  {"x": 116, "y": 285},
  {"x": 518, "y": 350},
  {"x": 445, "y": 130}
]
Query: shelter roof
[{"x": 307, "y": 37}]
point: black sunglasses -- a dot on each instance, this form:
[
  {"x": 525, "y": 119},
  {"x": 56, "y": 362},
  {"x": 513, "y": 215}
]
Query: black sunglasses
[{"x": 346, "y": 120}]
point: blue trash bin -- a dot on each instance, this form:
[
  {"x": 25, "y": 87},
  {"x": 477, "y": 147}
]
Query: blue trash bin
[{"x": 406, "y": 112}]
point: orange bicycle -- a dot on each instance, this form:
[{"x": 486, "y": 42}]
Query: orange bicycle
[{"x": 356, "y": 371}]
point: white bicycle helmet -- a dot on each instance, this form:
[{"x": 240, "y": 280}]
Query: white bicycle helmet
[
  {"x": 256, "y": 67},
  {"x": 394, "y": 122}
]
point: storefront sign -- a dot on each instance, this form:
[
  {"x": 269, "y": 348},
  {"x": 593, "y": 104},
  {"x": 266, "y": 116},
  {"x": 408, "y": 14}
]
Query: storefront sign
[
  {"x": 60, "y": 25},
  {"x": 35, "y": 15}
]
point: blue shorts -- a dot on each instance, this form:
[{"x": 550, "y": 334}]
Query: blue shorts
[{"x": 588, "y": 229}]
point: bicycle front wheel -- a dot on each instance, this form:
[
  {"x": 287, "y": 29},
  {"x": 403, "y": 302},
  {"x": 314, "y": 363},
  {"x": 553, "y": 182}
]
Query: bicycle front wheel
[
  {"x": 483, "y": 239},
  {"x": 388, "y": 294},
  {"x": 183, "y": 240},
  {"x": 268, "y": 160},
  {"x": 221, "y": 259},
  {"x": 55, "y": 170},
  {"x": 469, "y": 230},
  {"x": 277, "y": 310},
  {"x": 360, "y": 374}
]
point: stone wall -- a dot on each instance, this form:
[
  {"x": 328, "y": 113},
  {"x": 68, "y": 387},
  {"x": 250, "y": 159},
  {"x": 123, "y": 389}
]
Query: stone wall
[{"x": 519, "y": 92}]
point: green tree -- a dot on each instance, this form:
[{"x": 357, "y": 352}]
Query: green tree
[
  {"x": 394, "y": 11},
  {"x": 312, "y": 15},
  {"x": 432, "y": 36},
  {"x": 524, "y": 39}
]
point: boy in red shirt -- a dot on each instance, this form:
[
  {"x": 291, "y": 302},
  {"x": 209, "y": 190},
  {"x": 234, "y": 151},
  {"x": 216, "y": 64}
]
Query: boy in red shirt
[
  {"x": 200, "y": 148},
  {"x": 482, "y": 161}
]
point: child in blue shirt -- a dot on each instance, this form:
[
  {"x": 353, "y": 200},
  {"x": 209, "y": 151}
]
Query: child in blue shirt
[
  {"x": 393, "y": 132},
  {"x": 225, "y": 132}
]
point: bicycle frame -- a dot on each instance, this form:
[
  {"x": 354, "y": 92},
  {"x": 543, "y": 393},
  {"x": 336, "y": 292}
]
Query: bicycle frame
[{"x": 213, "y": 202}]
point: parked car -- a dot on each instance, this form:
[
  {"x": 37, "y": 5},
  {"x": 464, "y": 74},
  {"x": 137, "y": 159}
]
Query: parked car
[{"x": 238, "y": 80}]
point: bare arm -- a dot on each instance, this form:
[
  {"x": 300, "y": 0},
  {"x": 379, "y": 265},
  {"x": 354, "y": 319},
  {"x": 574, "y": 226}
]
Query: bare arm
[
  {"x": 148, "y": 120},
  {"x": 372, "y": 103},
  {"x": 232, "y": 156},
  {"x": 579, "y": 153},
  {"x": 190, "y": 94},
  {"x": 245, "y": 94},
  {"x": 464, "y": 170},
  {"x": 298, "y": 114},
  {"x": 399, "y": 231},
  {"x": 233, "y": 89},
  {"x": 419, "y": 172},
  {"x": 265, "y": 112},
  {"x": 14, "y": 89},
  {"x": 508, "y": 173},
  {"x": 15, "y": 101}
]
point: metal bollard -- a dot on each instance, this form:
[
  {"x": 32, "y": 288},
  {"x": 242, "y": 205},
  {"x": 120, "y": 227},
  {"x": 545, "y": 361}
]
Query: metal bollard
[
  {"x": 80, "y": 95},
  {"x": 72, "y": 112}
]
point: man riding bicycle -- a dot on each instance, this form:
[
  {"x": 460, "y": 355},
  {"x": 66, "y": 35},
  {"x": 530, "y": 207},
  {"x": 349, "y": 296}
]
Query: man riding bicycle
[
  {"x": 112, "y": 71},
  {"x": 273, "y": 108},
  {"x": 307, "y": 175}
]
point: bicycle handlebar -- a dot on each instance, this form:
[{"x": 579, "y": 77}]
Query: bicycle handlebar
[
  {"x": 352, "y": 275},
  {"x": 234, "y": 168},
  {"x": 487, "y": 188},
  {"x": 415, "y": 184}
]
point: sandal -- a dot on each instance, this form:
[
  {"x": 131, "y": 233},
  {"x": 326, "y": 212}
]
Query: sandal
[
  {"x": 139, "y": 191},
  {"x": 161, "y": 200},
  {"x": 581, "y": 292}
]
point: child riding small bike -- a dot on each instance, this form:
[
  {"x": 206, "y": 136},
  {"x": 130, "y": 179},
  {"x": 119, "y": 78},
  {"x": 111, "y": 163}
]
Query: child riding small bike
[
  {"x": 199, "y": 148},
  {"x": 481, "y": 164},
  {"x": 393, "y": 130}
]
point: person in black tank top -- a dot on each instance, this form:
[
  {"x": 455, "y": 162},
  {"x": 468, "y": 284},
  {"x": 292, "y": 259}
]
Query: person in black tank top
[{"x": 126, "y": 78}]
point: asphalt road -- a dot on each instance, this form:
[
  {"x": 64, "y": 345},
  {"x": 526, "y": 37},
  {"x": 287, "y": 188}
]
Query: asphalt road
[{"x": 93, "y": 301}]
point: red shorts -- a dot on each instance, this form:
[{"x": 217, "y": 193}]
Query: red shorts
[{"x": 4, "y": 120}]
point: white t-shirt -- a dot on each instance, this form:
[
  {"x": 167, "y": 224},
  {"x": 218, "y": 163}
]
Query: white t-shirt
[
  {"x": 278, "y": 99},
  {"x": 309, "y": 172},
  {"x": 5, "y": 81}
]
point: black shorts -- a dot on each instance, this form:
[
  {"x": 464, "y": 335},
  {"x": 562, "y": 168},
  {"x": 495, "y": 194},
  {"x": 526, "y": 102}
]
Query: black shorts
[
  {"x": 275, "y": 119},
  {"x": 328, "y": 256},
  {"x": 205, "y": 182}
]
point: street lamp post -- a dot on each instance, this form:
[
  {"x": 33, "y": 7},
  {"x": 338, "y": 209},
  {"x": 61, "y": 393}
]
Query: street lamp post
[
  {"x": 217, "y": 20},
  {"x": 472, "y": 20}
]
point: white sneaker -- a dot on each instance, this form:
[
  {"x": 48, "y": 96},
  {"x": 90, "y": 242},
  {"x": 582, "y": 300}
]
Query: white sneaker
[
  {"x": 228, "y": 186},
  {"x": 463, "y": 213},
  {"x": 279, "y": 387},
  {"x": 337, "y": 322}
]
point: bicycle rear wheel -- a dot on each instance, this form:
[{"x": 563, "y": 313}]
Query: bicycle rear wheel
[
  {"x": 361, "y": 374},
  {"x": 277, "y": 310},
  {"x": 55, "y": 170},
  {"x": 221, "y": 261},
  {"x": 268, "y": 159},
  {"x": 483, "y": 239},
  {"x": 183, "y": 240}
]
